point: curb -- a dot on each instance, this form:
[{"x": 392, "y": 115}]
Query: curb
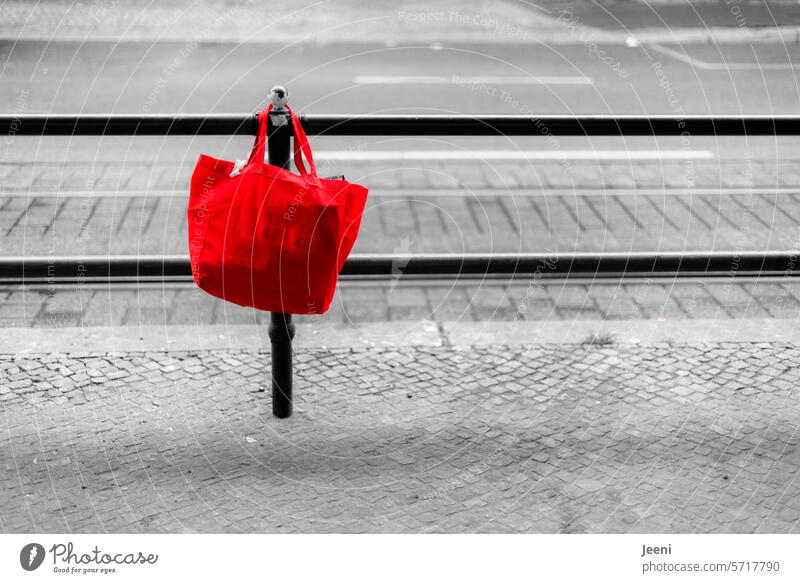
[
  {"x": 19, "y": 341},
  {"x": 546, "y": 33},
  {"x": 212, "y": 337},
  {"x": 625, "y": 331}
]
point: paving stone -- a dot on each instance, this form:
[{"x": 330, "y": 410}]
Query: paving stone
[
  {"x": 38, "y": 223},
  {"x": 180, "y": 442}
]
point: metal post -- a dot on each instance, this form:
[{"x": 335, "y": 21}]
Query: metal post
[
  {"x": 281, "y": 331},
  {"x": 281, "y": 328}
]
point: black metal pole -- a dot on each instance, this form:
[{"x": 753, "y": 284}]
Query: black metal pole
[
  {"x": 281, "y": 328},
  {"x": 281, "y": 331}
]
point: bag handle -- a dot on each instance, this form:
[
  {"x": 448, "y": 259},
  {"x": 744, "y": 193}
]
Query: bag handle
[
  {"x": 260, "y": 144},
  {"x": 301, "y": 145}
]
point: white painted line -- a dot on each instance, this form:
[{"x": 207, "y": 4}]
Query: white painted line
[
  {"x": 469, "y": 80},
  {"x": 707, "y": 66},
  {"x": 572, "y": 155}
]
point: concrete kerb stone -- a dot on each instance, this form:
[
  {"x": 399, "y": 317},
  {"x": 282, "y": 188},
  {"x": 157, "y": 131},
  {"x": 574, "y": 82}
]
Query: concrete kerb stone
[
  {"x": 623, "y": 331},
  {"x": 323, "y": 335},
  {"x": 213, "y": 337},
  {"x": 554, "y": 36}
]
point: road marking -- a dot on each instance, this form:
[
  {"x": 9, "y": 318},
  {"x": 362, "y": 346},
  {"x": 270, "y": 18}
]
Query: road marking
[
  {"x": 477, "y": 80},
  {"x": 571, "y": 155},
  {"x": 707, "y": 66}
]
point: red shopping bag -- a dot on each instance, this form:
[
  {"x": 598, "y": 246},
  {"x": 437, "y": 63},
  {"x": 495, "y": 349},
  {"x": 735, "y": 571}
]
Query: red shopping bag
[{"x": 266, "y": 237}]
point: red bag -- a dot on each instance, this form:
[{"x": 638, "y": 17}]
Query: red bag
[{"x": 269, "y": 238}]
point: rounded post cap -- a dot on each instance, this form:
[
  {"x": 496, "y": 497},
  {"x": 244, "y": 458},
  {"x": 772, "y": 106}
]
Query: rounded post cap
[{"x": 278, "y": 96}]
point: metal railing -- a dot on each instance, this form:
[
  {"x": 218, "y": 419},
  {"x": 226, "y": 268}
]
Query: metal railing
[
  {"x": 115, "y": 269},
  {"x": 182, "y": 124},
  {"x": 176, "y": 268}
]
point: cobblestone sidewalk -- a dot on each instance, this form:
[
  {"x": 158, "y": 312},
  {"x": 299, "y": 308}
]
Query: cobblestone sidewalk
[
  {"x": 135, "y": 209},
  {"x": 546, "y": 438},
  {"x": 478, "y": 301}
]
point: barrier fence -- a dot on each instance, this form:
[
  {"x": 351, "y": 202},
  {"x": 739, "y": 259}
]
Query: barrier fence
[
  {"x": 176, "y": 268},
  {"x": 181, "y": 124},
  {"x": 115, "y": 269}
]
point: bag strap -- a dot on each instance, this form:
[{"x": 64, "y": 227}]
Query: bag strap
[
  {"x": 260, "y": 145},
  {"x": 301, "y": 147}
]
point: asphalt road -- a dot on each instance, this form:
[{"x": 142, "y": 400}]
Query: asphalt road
[
  {"x": 626, "y": 14},
  {"x": 149, "y": 77},
  {"x": 358, "y": 78}
]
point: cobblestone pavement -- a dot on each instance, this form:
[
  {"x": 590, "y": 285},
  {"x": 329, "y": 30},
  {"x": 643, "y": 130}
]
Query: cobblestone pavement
[
  {"x": 547, "y": 438},
  {"x": 594, "y": 206},
  {"x": 490, "y": 300}
]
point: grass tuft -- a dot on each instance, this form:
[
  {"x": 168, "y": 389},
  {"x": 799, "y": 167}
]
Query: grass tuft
[{"x": 595, "y": 339}]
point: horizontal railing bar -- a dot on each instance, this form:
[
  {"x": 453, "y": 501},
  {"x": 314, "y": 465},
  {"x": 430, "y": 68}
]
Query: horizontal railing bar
[
  {"x": 445, "y": 266},
  {"x": 408, "y": 125},
  {"x": 559, "y": 125},
  {"x": 128, "y": 125}
]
